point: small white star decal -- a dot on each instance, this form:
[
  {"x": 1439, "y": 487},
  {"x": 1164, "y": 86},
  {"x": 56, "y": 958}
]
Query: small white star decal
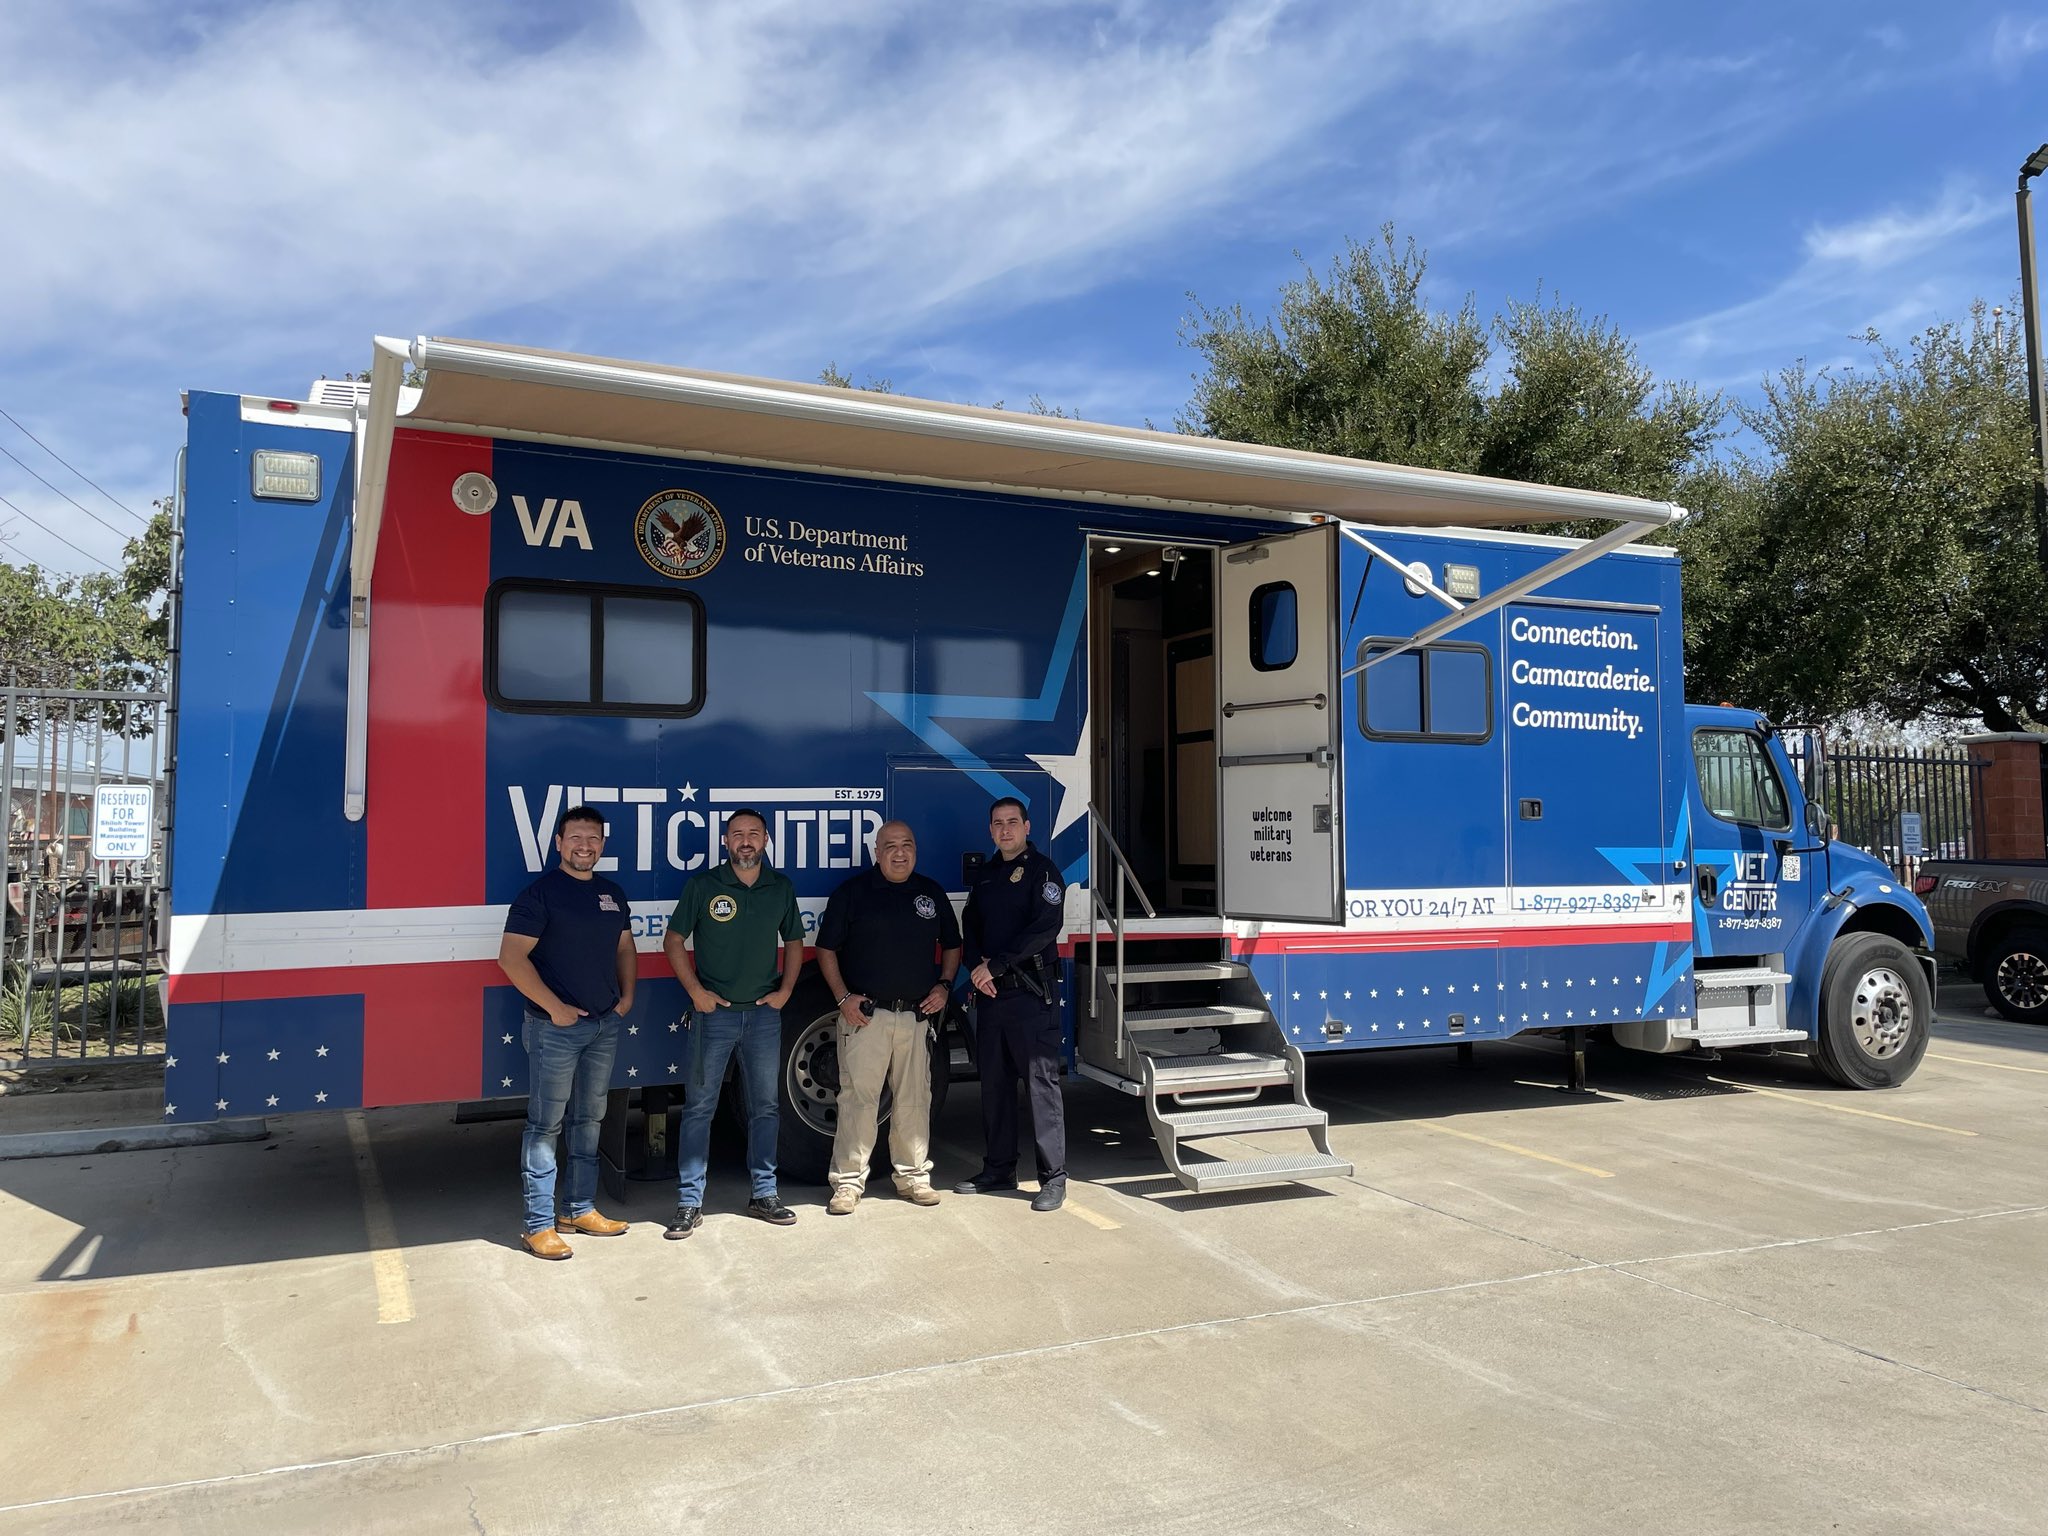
[
  {"x": 271, "y": 1102},
  {"x": 1546, "y": 1018},
  {"x": 1525, "y": 1018},
  {"x": 1322, "y": 997},
  {"x": 1296, "y": 996},
  {"x": 1347, "y": 994},
  {"x": 1660, "y": 1007},
  {"x": 1400, "y": 991},
  {"x": 1525, "y": 986},
  {"x": 272, "y": 1054},
  {"x": 1375, "y": 1029},
  {"x": 1269, "y": 997},
  {"x": 320, "y": 1098},
  {"x": 688, "y": 791},
  {"x": 674, "y": 1027},
  {"x": 1567, "y": 1013},
  {"x": 632, "y": 1029},
  {"x": 1425, "y": 991},
  {"x": 1617, "y": 1013},
  {"x": 321, "y": 1051},
  {"x": 222, "y": 1058},
  {"x": 504, "y": 1082},
  {"x": 1567, "y": 981},
  {"x": 1614, "y": 981},
  {"x": 1592, "y": 981},
  {"x": 220, "y": 1103},
  {"x": 1425, "y": 1023},
  {"x": 1375, "y": 992},
  {"x": 1546, "y": 983},
  {"x": 170, "y": 1109},
  {"x": 672, "y": 1066},
  {"x": 170, "y": 1061},
  {"x": 1400, "y": 1024},
  {"x": 1639, "y": 981},
  {"x": 508, "y": 1039},
  {"x": 1297, "y": 1029},
  {"x": 632, "y": 1071},
  {"x": 1501, "y": 986}
]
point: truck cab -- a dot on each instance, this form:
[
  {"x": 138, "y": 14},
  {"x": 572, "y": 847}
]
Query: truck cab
[{"x": 1796, "y": 937}]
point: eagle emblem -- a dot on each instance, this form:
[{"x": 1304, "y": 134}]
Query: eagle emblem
[{"x": 680, "y": 534}]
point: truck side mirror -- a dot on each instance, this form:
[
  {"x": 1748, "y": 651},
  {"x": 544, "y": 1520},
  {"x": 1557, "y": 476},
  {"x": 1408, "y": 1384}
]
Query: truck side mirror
[{"x": 1816, "y": 822}]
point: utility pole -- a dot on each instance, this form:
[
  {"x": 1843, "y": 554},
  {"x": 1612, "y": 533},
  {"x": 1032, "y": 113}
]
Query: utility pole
[{"x": 2037, "y": 406}]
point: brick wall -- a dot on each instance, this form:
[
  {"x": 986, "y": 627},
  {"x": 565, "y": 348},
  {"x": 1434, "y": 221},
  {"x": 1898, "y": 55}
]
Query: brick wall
[{"x": 2007, "y": 810}]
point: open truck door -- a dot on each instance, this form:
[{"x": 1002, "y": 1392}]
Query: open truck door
[{"x": 1278, "y": 718}]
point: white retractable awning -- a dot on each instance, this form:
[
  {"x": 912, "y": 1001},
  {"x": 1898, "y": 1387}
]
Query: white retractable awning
[{"x": 523, "y": 392}]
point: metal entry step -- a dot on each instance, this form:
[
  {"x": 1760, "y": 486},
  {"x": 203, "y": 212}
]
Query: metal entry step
[
  {"x": 1183, "y": 970},
  {"x": 1191, "y": 1016},
  {"x": 1729, "y": 978},
  {"x": 1287, "y": 1167},
  {"x": 1209, "y": 1074},
  {"x": 1243, "y": 1119}
]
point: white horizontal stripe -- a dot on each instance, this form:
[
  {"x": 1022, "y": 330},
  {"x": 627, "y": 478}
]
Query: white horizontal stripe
[{"x": 837, "y": 795}]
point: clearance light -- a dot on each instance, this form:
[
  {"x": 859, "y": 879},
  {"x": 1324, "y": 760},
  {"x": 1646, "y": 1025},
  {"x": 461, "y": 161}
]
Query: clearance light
[
  {"x": 275, "y": 475},
  {"x": 1153, "y": 572},
  {"x": 1462, "y": 581},
  {"x": 1112, "y": 549}
]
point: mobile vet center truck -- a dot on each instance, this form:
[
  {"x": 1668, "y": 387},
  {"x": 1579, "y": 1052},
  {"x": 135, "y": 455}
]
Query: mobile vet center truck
[{"x": 1333, "y": 761}]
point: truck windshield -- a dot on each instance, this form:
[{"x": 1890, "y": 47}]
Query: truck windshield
[{"x": 1738, "y": 781}]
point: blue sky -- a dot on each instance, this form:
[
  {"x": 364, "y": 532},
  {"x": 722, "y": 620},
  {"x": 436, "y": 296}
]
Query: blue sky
[{"x": 978, "y": 201}]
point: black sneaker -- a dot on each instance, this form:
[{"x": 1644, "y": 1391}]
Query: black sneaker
[
  {"x": 1052, "y": 1194},
  {"x": 983, "y": 1184},
  {"x": 773, "y": 1210},
  {"x": 687, "y": 1219}
]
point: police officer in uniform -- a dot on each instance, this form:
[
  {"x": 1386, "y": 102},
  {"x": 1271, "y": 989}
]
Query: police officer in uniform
[{"x": 1011, "y": 930}]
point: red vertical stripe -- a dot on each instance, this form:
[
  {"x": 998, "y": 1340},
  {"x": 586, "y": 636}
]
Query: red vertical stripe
[{"x": 424, "y": 818}]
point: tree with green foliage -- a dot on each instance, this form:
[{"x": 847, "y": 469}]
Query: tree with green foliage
[
  {"x": 101, "y": 631},
  {"x": 1357, "y": 362},
  {"x": 1881, "y": 558}
]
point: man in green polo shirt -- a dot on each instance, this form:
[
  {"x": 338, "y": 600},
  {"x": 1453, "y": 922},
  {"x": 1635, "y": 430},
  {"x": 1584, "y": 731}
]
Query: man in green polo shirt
[{"x": 742, "y": 918}]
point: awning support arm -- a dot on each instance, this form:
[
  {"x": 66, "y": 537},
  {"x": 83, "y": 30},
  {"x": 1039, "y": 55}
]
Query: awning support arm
[
  {"x": 1499, "y": 598},
  {"x": 375, "y": 423},
  {"x": 1407, "y": 574}
]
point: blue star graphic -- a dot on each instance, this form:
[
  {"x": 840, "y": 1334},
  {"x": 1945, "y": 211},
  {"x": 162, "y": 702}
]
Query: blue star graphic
[
  {"x": 1671, "y": 961},
  {"x": 919, "y": 713}
]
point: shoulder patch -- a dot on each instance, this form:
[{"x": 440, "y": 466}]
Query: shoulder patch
[{"x": 1051, "y": 892}]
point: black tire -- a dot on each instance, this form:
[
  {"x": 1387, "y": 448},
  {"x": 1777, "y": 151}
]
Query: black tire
[
  {"x": 2016, "y": 975},
  {"x": 808, "y": 1091},
  {"x": 1876, "y": 1011}
]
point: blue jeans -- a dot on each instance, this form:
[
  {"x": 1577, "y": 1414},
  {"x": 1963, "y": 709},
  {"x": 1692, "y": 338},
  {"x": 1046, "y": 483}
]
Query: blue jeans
[
  {"x": 570, "y": 1071},
  {"x": 757, "y": 1034}
]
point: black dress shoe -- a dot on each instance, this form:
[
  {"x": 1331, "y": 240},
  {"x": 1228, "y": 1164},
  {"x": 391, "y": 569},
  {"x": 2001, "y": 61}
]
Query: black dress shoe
[
  {"x": 772, "y": 1210},
  {"x": 983, "y": 1184},
  {"x": 1052, "y": 1194},
  {"x": 687, "y": 1219}
]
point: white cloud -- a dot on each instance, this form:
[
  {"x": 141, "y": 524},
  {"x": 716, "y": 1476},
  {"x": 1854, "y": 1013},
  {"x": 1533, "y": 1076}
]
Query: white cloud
[{"x": 1898, "y": 234}]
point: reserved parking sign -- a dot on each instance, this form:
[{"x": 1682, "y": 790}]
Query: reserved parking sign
[{"x": 121, "y": 821}]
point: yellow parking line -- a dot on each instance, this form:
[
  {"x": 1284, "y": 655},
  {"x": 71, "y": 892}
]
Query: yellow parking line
[
  {"x": 1484, "y": 1141},
  {"x": 387, "y": 1261},
  {"x": 1094, "y": 1218},
  {"x": 1996, "y": 1066},
  {"x": 1842, "y": 1109},
  {"x": 1509, "y": 1146}
]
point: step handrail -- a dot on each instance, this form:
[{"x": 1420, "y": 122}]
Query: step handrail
[{"x": 1126, "y": 880}]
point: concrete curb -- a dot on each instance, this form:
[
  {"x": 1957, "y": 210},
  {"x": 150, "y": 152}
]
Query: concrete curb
[{"x": 130, "y": 1138}]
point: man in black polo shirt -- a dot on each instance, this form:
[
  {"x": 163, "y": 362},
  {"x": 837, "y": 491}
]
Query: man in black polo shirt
[
  {"x": 568, "y": 948},
  {"x": 888, "y": 947}
]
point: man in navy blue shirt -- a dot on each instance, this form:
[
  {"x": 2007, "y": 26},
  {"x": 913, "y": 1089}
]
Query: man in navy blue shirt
[{"x": 568, "y": 948}]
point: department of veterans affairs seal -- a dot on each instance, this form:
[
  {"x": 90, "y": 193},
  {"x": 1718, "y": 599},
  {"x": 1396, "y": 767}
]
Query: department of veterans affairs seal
[{"x": 680, "y": 534}]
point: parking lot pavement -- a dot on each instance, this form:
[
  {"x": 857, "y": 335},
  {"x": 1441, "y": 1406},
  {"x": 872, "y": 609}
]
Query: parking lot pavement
[{"x": 1709, "y": 1296}]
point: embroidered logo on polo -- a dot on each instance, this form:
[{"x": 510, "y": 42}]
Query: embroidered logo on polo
[
  {"x": 605, "y": 902},
  {"x": 926, "y": 907},
  {"x": 680, "y": 534},
  {"x": 723, "y": 909}
]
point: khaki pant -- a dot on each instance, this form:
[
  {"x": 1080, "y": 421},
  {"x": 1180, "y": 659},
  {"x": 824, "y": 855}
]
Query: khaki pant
[{"x": 891, "y": 1049}]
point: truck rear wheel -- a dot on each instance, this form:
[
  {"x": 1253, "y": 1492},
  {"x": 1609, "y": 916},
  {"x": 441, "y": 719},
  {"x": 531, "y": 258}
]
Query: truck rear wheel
[
  {"x": 810, "y": 1089},
  {"x": 1876, "y": 1010},
  {"x": 2016, "y": 975}
]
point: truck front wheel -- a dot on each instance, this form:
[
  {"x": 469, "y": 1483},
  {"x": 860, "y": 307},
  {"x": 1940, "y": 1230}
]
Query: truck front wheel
[
  {"x": 810, "y": 1089},
  {"x": 2016, "y": 975},
  {"x": 1876, "y": 1010}
]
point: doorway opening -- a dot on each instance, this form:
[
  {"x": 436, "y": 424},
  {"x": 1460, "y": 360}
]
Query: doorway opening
[{"x": 1152, "y": 650}]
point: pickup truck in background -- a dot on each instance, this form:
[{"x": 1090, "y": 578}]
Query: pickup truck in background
[{"x": 1992, "y": 915}]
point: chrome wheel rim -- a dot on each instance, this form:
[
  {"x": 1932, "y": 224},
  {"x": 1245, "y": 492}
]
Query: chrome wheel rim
[
  {"x": 1881, "y": 1013},
  {"x": 2022, "y": 979},
  {"x": 811, "y": 1077}
]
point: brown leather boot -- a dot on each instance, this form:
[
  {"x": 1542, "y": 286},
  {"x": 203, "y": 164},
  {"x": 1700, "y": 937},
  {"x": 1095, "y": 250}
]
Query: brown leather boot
[
  {"x": 590, "y": 1224},
  {"x": 919, "y": 1194},
  {"x": 545, "y": 1245}
]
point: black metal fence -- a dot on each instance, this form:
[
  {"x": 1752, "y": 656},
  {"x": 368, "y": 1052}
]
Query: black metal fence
[
  {"x": 85, "y": 780},
  {"x": 1901, "y": 803}
]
